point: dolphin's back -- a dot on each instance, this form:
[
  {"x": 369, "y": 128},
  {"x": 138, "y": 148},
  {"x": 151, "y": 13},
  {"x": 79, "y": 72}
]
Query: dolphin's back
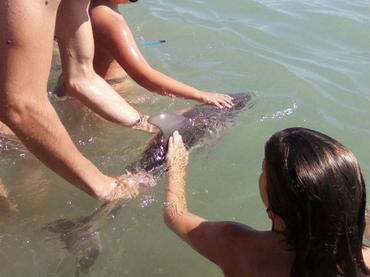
[{"x": 203, "y": 121}]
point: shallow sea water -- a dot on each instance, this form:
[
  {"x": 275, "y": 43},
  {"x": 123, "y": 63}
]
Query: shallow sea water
[{"x": 307, "y": 64}]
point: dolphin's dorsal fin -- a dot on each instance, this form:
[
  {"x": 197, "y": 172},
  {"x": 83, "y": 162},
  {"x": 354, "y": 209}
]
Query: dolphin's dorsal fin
[{"x": 168, "y": 123}]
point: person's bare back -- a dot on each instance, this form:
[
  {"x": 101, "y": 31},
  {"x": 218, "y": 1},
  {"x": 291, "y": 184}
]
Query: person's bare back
[
  {"x": 256, "y": 254},
  {"x": 309, "y": 236}
]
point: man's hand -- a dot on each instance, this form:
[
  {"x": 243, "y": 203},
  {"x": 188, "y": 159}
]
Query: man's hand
[
  {"x": 217, "y": 99},
  {"x": 128, "y": 186},
  {"x": 143, "y": 125}
]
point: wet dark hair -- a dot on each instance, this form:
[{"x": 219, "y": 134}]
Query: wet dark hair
[{"x": 315, "y": 185}]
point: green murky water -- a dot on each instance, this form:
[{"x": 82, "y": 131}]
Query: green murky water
[{"x": 307, "y": 63}]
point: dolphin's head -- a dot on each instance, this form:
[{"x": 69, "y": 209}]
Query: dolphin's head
[{"x": 240, "y": 101}]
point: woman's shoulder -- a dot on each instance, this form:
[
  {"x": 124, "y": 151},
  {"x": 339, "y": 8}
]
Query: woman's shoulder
[
  {"x": 241, "y": 230},
  {"x": 255, "y": 252},
  {"x": 100, "y": 8},
  {"x": 246, "y": 240}
]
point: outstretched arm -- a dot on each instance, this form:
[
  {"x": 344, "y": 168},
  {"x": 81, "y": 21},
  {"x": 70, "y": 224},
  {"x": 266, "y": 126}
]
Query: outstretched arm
[
  {"x": 211, "y": 239},
  {"x": 76, "y": 45},
  {"x": 113, "y": 34}
]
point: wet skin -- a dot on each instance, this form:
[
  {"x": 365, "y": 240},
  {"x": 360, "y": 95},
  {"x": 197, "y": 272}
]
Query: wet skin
[
  {"x": 26, "y": 41},
  {"x": 236, "y": 248}
]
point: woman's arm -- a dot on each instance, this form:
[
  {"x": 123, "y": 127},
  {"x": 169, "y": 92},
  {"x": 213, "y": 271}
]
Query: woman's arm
[
  {"x": 176, "y": 214},
  {"x": 214, "y": 240},
  {"x": 112, "y": 33}
]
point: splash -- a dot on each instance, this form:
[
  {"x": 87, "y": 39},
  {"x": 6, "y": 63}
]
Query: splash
[{"x": 280, "y": 114}]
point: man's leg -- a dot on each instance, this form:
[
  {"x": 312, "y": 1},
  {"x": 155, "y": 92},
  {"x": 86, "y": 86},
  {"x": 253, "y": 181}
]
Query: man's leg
[
  {"x": 76, "y": 44},
  {"x": 26, "y": 39}
]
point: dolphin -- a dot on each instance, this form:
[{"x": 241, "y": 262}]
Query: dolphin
[{"x": 202, "y": 122}]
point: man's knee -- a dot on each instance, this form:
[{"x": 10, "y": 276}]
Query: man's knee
[
  {"x": 17, "y": 112},
  {"x": 80, "y": 78},
  {"x": 12, "y": 114}
]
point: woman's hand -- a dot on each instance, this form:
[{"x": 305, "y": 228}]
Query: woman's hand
[
  {"x": 177, "y": 155},
  {"x": 175, "y": 201},
  {"x": 217, "y": 99}
]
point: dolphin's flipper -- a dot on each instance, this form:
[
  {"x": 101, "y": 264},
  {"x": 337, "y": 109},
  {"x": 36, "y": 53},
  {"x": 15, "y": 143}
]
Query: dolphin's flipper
[{"x": 168, "y": 123}]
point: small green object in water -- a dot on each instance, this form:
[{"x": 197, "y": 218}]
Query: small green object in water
[
  {"x": 168, "y": 123},
  {"x": 155, "y": 42}
]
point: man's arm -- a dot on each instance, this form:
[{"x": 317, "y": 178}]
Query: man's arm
[{"x": 76, "y": 45}]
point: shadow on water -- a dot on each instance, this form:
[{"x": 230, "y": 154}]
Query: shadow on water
[{"x": 81, "y": 235}]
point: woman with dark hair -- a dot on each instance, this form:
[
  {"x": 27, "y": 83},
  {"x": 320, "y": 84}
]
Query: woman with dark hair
[{"x": 315, "y": 195}]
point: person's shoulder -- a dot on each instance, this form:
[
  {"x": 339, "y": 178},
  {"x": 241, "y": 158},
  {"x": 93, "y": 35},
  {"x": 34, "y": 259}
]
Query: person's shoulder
[
  {"x": 254, "y": 253},
  {"x": 100, "y": 10},
  {"x": 103, "y": 17},
  {"x": 240, "y": 229},
  {"x": 244, "y": 237},
  {"x": 237, "y": 231},
  {"x": 100, "y": 6}
]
